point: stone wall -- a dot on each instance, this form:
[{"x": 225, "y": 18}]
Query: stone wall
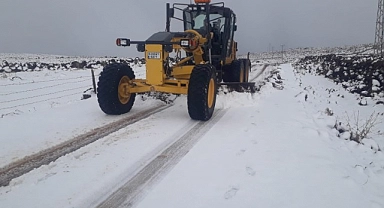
[
  {"x": 361, "y": 74},
  {"x": 30, "y": 66}
]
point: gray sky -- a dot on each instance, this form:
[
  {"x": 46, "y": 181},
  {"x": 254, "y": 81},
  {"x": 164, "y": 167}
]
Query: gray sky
[{"x": 90, "y": 27}]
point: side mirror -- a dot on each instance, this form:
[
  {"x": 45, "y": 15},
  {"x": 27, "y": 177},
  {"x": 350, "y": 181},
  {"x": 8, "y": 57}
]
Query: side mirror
[
  {"x": 234, "y": 27},
  {"x": 171, "y": 12}
]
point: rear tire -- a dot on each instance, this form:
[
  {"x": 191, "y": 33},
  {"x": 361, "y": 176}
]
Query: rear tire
[
  {"x": 110, "y": 100},
  {"x": 202, "y": 88},
  {"x": 234, "y": 72},
  {"x": 247, "y": 69},
  {"x": 227, "y": 73},
  {"x": 238, "y": 71}
]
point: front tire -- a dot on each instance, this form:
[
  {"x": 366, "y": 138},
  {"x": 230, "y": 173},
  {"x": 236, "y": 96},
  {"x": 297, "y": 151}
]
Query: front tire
[
  {"x": 114, "y": 81},
  {"x": 202, "y": 88}
]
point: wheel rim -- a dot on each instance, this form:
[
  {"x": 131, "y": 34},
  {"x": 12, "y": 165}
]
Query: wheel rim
[
  {"x": 123, "y": 91},
  {"x": 211, "y": 92}
]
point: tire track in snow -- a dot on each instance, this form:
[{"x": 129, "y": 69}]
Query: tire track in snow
[
  {"x": 132, "y": 191},
  {"x": 260, "y": 72},
  {"x": 44, "y": 157}
]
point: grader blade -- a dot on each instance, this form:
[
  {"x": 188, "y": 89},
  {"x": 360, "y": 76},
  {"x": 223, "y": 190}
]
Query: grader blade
[{"x": 240, "y": 86}]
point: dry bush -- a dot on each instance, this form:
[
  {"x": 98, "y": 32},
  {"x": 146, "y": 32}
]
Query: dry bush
[{"x": 360, "y": 130}]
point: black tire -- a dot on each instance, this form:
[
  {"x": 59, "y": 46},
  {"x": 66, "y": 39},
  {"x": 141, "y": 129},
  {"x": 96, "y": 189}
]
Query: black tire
[
  {"x": 202, "y": 89},
  {"x": 234, "y": 72},
  {"x": 108, "y": 96},
  {"x": 247, "y": 68},
  {"x": 238, "y": 71},
  {"x": 227, "y": 73}
]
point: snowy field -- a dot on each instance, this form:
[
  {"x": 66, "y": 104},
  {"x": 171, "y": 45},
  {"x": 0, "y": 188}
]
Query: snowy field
[
  {"x": 45, "y": 108},
  {"x": 275, "y": 148}
]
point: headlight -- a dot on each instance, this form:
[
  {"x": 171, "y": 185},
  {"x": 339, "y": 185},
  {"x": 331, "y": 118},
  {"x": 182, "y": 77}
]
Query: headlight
[
  {"x": 184, "y": 43},
  {"x": 123, "y": 42},
  {"x": 153, "y": 55}
]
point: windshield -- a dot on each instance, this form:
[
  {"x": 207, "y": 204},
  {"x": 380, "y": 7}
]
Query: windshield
[{"x": 195, "y": 20}]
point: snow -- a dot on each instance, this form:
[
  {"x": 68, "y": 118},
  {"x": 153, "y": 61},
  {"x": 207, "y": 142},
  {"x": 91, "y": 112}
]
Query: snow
[
  {"x": 275, "y": 148},
  {"x": 43, "y": 110}
]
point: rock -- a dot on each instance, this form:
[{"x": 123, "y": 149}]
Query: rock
[
  {"x": 75, "y": 65},
  {"x": 5, "y": 63},
  {"x": 7, "y": 69},
  {"x": 363, "y": 103},
  {"x": 376, "y": 83},
  {"x": 82, "y": 65}
]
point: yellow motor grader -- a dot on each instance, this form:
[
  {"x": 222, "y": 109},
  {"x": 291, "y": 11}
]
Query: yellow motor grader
[{"x": 205, "y": 57}]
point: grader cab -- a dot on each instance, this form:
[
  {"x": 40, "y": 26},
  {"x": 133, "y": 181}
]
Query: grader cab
[{"x": 205, "y": 57}]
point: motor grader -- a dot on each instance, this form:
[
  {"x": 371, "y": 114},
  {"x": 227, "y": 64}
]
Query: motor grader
[{"x": 204, "y": 57}]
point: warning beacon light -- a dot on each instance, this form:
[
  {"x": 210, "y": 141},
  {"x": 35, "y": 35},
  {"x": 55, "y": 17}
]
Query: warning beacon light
[{"x": 202, "y": 1}]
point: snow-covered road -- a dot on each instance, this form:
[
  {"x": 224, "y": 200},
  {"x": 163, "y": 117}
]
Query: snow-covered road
[
  {"x": 269, "y": 149},
  {"x": 279, "y": 152}
]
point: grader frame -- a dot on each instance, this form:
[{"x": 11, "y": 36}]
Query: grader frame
[{"x": 210, "y": 57}]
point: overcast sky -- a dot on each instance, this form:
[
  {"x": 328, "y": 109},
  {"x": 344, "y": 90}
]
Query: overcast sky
[{"x": 90, "y": 27}]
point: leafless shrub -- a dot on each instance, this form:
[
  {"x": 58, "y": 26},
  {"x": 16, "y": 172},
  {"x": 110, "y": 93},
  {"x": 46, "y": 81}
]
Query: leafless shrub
[{"x": 360, "y": 130}]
